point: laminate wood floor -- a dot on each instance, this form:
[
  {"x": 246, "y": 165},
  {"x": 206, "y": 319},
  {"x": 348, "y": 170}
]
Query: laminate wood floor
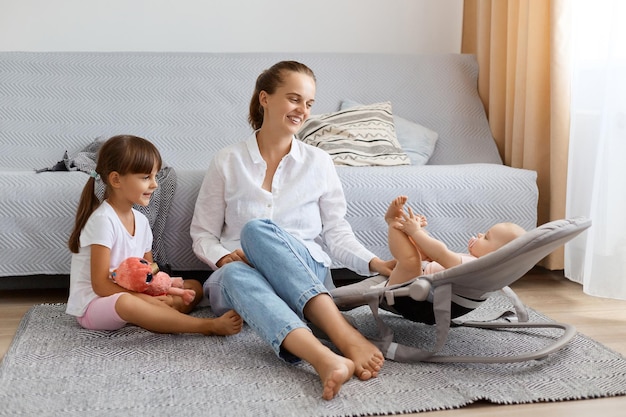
[{"x": 545, "y": 291}]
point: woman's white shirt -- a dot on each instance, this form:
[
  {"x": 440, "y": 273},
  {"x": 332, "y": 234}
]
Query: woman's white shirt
[{"x": 306, "y": 200}]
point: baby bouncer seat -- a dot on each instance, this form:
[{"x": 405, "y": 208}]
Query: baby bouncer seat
[{"x": 444, "y": 297}]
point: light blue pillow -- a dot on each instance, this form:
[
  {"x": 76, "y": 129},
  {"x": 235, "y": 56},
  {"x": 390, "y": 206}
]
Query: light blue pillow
[{"x": 417, "y": 141}]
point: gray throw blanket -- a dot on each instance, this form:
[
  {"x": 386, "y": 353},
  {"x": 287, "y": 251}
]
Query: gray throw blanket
[{"x": 156, "y": 211}]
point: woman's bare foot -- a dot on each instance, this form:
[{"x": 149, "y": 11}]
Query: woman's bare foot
[
  {"x": 396, "y": 208},
  {"x": 368, "y": 359},
  {"x": 332, "y": 368},
  {"x": 228, "y": 323},
  {"x": 333, "y": 372}
]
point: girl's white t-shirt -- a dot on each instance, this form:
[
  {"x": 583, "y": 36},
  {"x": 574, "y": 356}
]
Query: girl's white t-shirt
[{"x": 104, "y": 228}]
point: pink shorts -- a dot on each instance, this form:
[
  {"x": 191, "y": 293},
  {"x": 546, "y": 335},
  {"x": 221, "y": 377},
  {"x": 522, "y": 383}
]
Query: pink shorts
[{"x": 101, "y": 314}]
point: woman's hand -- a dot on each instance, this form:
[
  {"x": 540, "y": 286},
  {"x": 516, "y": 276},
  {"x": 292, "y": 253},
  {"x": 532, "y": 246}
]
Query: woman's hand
[
  {"x": 236, "y": 255},
  {"x": 382, "y": 267}
]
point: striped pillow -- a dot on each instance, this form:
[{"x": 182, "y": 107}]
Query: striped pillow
[{"x": 358, "y": 136}]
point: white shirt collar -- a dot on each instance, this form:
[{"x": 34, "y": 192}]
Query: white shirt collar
[{"x": 253, "y": 148}]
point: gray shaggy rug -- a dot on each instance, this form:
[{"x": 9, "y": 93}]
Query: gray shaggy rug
[{"x": 54, "y": 367}]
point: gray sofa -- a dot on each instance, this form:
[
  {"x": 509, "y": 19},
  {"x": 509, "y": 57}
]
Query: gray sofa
[{"x": 190, "y": 105}]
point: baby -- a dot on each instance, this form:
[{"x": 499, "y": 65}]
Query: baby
[{"x": 410, "y": 244}]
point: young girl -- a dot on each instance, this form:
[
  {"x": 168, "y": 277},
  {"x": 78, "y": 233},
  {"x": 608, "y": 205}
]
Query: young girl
[{"x": 107, "y": 233}]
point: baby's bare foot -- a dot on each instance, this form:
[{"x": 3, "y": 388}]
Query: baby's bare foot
[
  {"x": 333, "y": 373},
  {"x": 227, "y": 324},
  {"x": 396, "y": 208}
]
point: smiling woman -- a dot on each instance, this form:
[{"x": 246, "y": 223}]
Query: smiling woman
[
  {"x": 259, "y": 231},
  {"x": 283, "y": 96},
  {"x": 297, "y": 84}
]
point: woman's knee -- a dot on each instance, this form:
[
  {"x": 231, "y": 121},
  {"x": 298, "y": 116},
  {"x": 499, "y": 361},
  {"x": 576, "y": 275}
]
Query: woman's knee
[
  {"x": 234, "y": 274},
  {"x": 262, "y": 239},
  {"x": 252, "y": 229}
]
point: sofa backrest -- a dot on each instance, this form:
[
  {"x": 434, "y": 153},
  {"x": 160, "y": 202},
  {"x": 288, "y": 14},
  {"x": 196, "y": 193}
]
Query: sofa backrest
[{"x": 192, "y": 104}]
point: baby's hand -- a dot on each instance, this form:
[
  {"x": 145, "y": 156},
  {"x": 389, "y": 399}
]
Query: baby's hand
[
  {"x": 410, "y": 223},
  {"x": 418, "y": 217},
  {"x": 422, "y": 219}
]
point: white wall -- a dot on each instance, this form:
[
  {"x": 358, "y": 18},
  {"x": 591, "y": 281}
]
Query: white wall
[{"x": 386, "y": 26}]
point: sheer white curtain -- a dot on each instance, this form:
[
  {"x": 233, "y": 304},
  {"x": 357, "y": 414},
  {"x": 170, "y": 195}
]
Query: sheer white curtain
[{"x": 596, "y": 181}]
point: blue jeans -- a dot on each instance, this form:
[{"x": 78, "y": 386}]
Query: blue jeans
[{"x": 271, "y": 296}]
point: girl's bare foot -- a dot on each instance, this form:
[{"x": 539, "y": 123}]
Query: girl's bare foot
[
  {"x": 333, "y": 372},
  {"x": 227, "y": 324},
  {"x": 396, "y": 208}
]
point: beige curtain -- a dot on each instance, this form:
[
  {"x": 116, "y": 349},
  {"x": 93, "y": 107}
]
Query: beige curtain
[{"x": 521, "y": 49}]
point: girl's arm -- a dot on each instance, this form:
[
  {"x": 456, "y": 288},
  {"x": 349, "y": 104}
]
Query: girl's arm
[
  {"x": 148, "y": 257},
  {"x": 102, "y": 283},
  {"x": 100, "y": 273}
]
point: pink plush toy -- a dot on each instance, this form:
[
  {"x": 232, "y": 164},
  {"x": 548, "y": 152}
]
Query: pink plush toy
[{"x": 137, "y": 274}]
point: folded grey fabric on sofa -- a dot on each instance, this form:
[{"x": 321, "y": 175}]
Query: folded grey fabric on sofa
[{"x": 192, "y": 104}]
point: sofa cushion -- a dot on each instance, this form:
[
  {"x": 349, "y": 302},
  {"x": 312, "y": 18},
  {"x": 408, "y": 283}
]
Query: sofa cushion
[
  {"x": 358, "y": 136},
  {"x": 417, "y": 141}
]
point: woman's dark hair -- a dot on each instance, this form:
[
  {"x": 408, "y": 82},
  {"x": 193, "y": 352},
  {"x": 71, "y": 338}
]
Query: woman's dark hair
[
  {"x": 124, "y": 154},
  {"x": 269, "y": 81}
]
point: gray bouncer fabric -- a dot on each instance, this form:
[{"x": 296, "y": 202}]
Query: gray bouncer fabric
[{"x": 444, "y": 297}]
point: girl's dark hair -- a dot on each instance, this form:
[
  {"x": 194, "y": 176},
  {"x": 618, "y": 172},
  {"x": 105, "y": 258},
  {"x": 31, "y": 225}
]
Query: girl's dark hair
[
  {"x": 124, "y": 154},
  {"x": 269, "y": 81}
]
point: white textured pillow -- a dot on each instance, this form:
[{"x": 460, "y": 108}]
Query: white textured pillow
[
  {"x": 358, "y": 136},
  {"x": 416, "y": 140}
]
